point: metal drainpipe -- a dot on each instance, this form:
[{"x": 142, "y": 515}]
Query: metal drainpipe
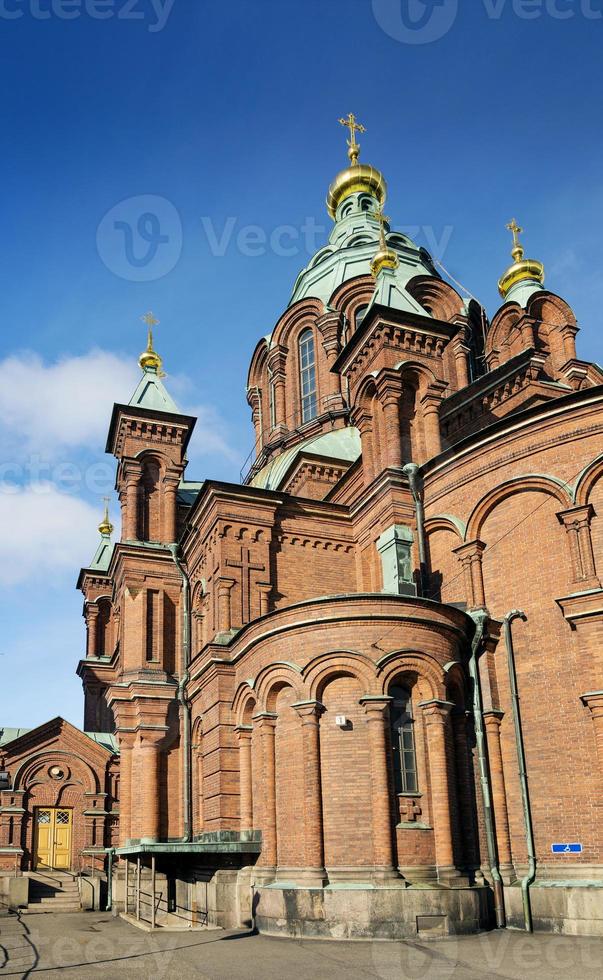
[
  {"x": 523, "y": 775},
  {"x": 110, "y": 855},
  {"x": 411, "y": 470},
  {"x": 186, "y": 711},
  {"x": 480, "y": 618}
]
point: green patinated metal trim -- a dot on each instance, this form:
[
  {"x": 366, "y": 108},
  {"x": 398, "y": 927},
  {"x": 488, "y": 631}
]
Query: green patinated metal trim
[{"x": 411, "y": 825}]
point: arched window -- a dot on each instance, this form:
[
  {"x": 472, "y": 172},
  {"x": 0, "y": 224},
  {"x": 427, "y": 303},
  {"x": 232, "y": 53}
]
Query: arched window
[
  {"x": 307, "y": 376},
  {"x": 103, "y": 628},
  {"x": 149, "y": 521},
  {"x": 360, "y": 315},
  {"x": 403, "y": 741}
]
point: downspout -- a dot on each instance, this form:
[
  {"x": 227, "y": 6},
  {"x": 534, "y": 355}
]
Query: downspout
[
  {"x": 184, "y": 679},
  {"x": 480, "y": 618},
  {"x": 411, "y": 470},
  {"x": 110, "y": 851},
  {"x": 523, "y": 775}
]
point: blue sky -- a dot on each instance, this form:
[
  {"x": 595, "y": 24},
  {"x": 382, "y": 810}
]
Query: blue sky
[{"x": 218, "y": 122}]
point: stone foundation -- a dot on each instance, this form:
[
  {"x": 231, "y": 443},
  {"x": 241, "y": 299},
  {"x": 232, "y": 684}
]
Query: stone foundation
[
  {"x": 364, "y": 912},
  {"x": 571, "y": 907}
]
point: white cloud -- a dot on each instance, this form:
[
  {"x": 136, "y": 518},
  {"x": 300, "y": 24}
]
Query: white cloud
[
  {"x": 44, "y": 407},
  {"x": 44, "y": 533},
  {"x": 47, "y": 408}
]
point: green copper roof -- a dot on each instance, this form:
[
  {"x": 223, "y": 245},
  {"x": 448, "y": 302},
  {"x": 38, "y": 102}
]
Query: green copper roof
[
  {"x": 523, "y": 292},
  {"x": 151, "y": 393},
  {"x": 104, "y": 552},
  {"x": 106, "y": 739},
  {"x": 343, "y": 444},
  {"x": 390, "y": 292},
  {"x": 353, "y": 243}
]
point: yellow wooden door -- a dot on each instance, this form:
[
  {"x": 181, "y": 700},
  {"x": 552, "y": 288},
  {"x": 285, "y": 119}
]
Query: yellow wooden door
[{"x": 53, "y": 838}]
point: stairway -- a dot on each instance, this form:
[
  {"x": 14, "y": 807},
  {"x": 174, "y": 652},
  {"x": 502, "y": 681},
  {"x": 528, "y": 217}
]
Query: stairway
[{"x": 53, "y": 891}]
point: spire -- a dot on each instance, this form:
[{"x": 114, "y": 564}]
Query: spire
[
  {"x": 151, "y": 393},
  {"x": 526, "y": 272},
  {"x": 102, "y": 557},
  {"x": 358, "y": 178},
  {"x": 105, "y": 527},
  {"x": 385, "y": 257},
  {"x": 150, "y": 360}
]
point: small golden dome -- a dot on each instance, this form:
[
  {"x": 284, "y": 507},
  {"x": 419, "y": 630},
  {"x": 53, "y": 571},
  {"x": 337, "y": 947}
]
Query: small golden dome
[
  {"x": 150, "y": 360},
  {"x": 523, "y": 270},
  {"x": 358, "y": 178},
  {"x": 384, "y": 259},
  {"x": 105, "y": 527}
]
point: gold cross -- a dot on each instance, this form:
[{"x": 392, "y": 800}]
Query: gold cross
[
  {"x": 383, "y": 221},
  {"x": 354, "y": 127},
  {"x": 150, "y": 320},
  {"x": 516, "y": 230}
]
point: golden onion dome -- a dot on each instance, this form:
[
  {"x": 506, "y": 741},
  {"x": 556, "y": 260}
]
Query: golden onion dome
[
  {"x": 150, "y": 360},
  {"x": 105, "y": 527},
  {"x": 385, "y": 258},
  {"x": 359, "y": 178},
  {"x": 522, "y": 270}
]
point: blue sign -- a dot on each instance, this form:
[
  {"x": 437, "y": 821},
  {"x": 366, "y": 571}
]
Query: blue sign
[{"x": 566, "y": 848}]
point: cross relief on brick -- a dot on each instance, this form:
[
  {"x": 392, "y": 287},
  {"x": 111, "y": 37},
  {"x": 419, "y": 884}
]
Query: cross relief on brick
[
  {"x": 410, "y": 810},
  {"x": 246, "y": 565}
]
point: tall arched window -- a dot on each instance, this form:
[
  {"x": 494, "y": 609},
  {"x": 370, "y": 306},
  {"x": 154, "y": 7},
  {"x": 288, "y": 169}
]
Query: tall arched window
[
  {"x": 403, "y": 741},
  {"x": 307, "y": 376}
]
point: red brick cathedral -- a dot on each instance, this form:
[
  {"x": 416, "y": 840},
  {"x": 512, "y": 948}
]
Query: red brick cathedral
[{"x": 359, "y": 694}]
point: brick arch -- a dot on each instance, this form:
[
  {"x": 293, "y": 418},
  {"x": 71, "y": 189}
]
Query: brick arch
[
  {"x": 325, "y": 668},
  {"x": 197, "y": 730},
  {"x": 273, "y": 679},
  {"x": 587, "y": 480},
  {"x": 244, "y": 695},
  {"x": 351, "y": 295},
  {"x": 155, "y": 455},
  {"x": 48, "y": 757},
  {"x": 502, "y": 324},
  {"x": 444, "y": 523},
  {"x": 436, "y": 296},
  {"x": 306, "y": 311},
  {"x": 257, "y": 367},
  {"x": 415, "y": 662},
  {"x": 551, "y": 308},
  {"x": 424, "y": 374},
  {"x": 456, "y": 684},
  {"x": 521, "y": 484}
]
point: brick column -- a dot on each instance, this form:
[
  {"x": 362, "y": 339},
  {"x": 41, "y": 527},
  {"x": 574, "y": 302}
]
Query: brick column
[
  {"x": 254, "y": 399},
  {"x": 493, "y": 720},
  {"x": 329, "y": 326},
  {"x": 364, "y": 423},
  {"x": 465, "y": 777},
  {"x": 132, "y": 475},
  {"x": 125, "y": 787},
  {"x": 266, "y": 725},
  {"x": 277, "y": 360},
  {"x": 244, "y": 733},
  {"x": 310, "y": 712},
  {"x": 224, "y": 609},
  {"x": 430, "y": 406},
  {"x": 377, "y": 717},
  {"x": 577, "y": 523},
  {"x": 594, "y": 701},
  {"x": 436, "y": 715},
  {"x": 460, "y": 348},
  {"x": 92, "y": 620},
  {"x": 170, "y": 509},
  {"x": 470, "y": 556},
  {"x": 148, "y": 804},
  {"x": 389, "y": 392}
]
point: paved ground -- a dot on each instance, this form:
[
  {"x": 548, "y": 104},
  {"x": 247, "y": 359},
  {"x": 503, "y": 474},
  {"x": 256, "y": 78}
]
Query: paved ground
[{"x": 98, "y": 946}]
